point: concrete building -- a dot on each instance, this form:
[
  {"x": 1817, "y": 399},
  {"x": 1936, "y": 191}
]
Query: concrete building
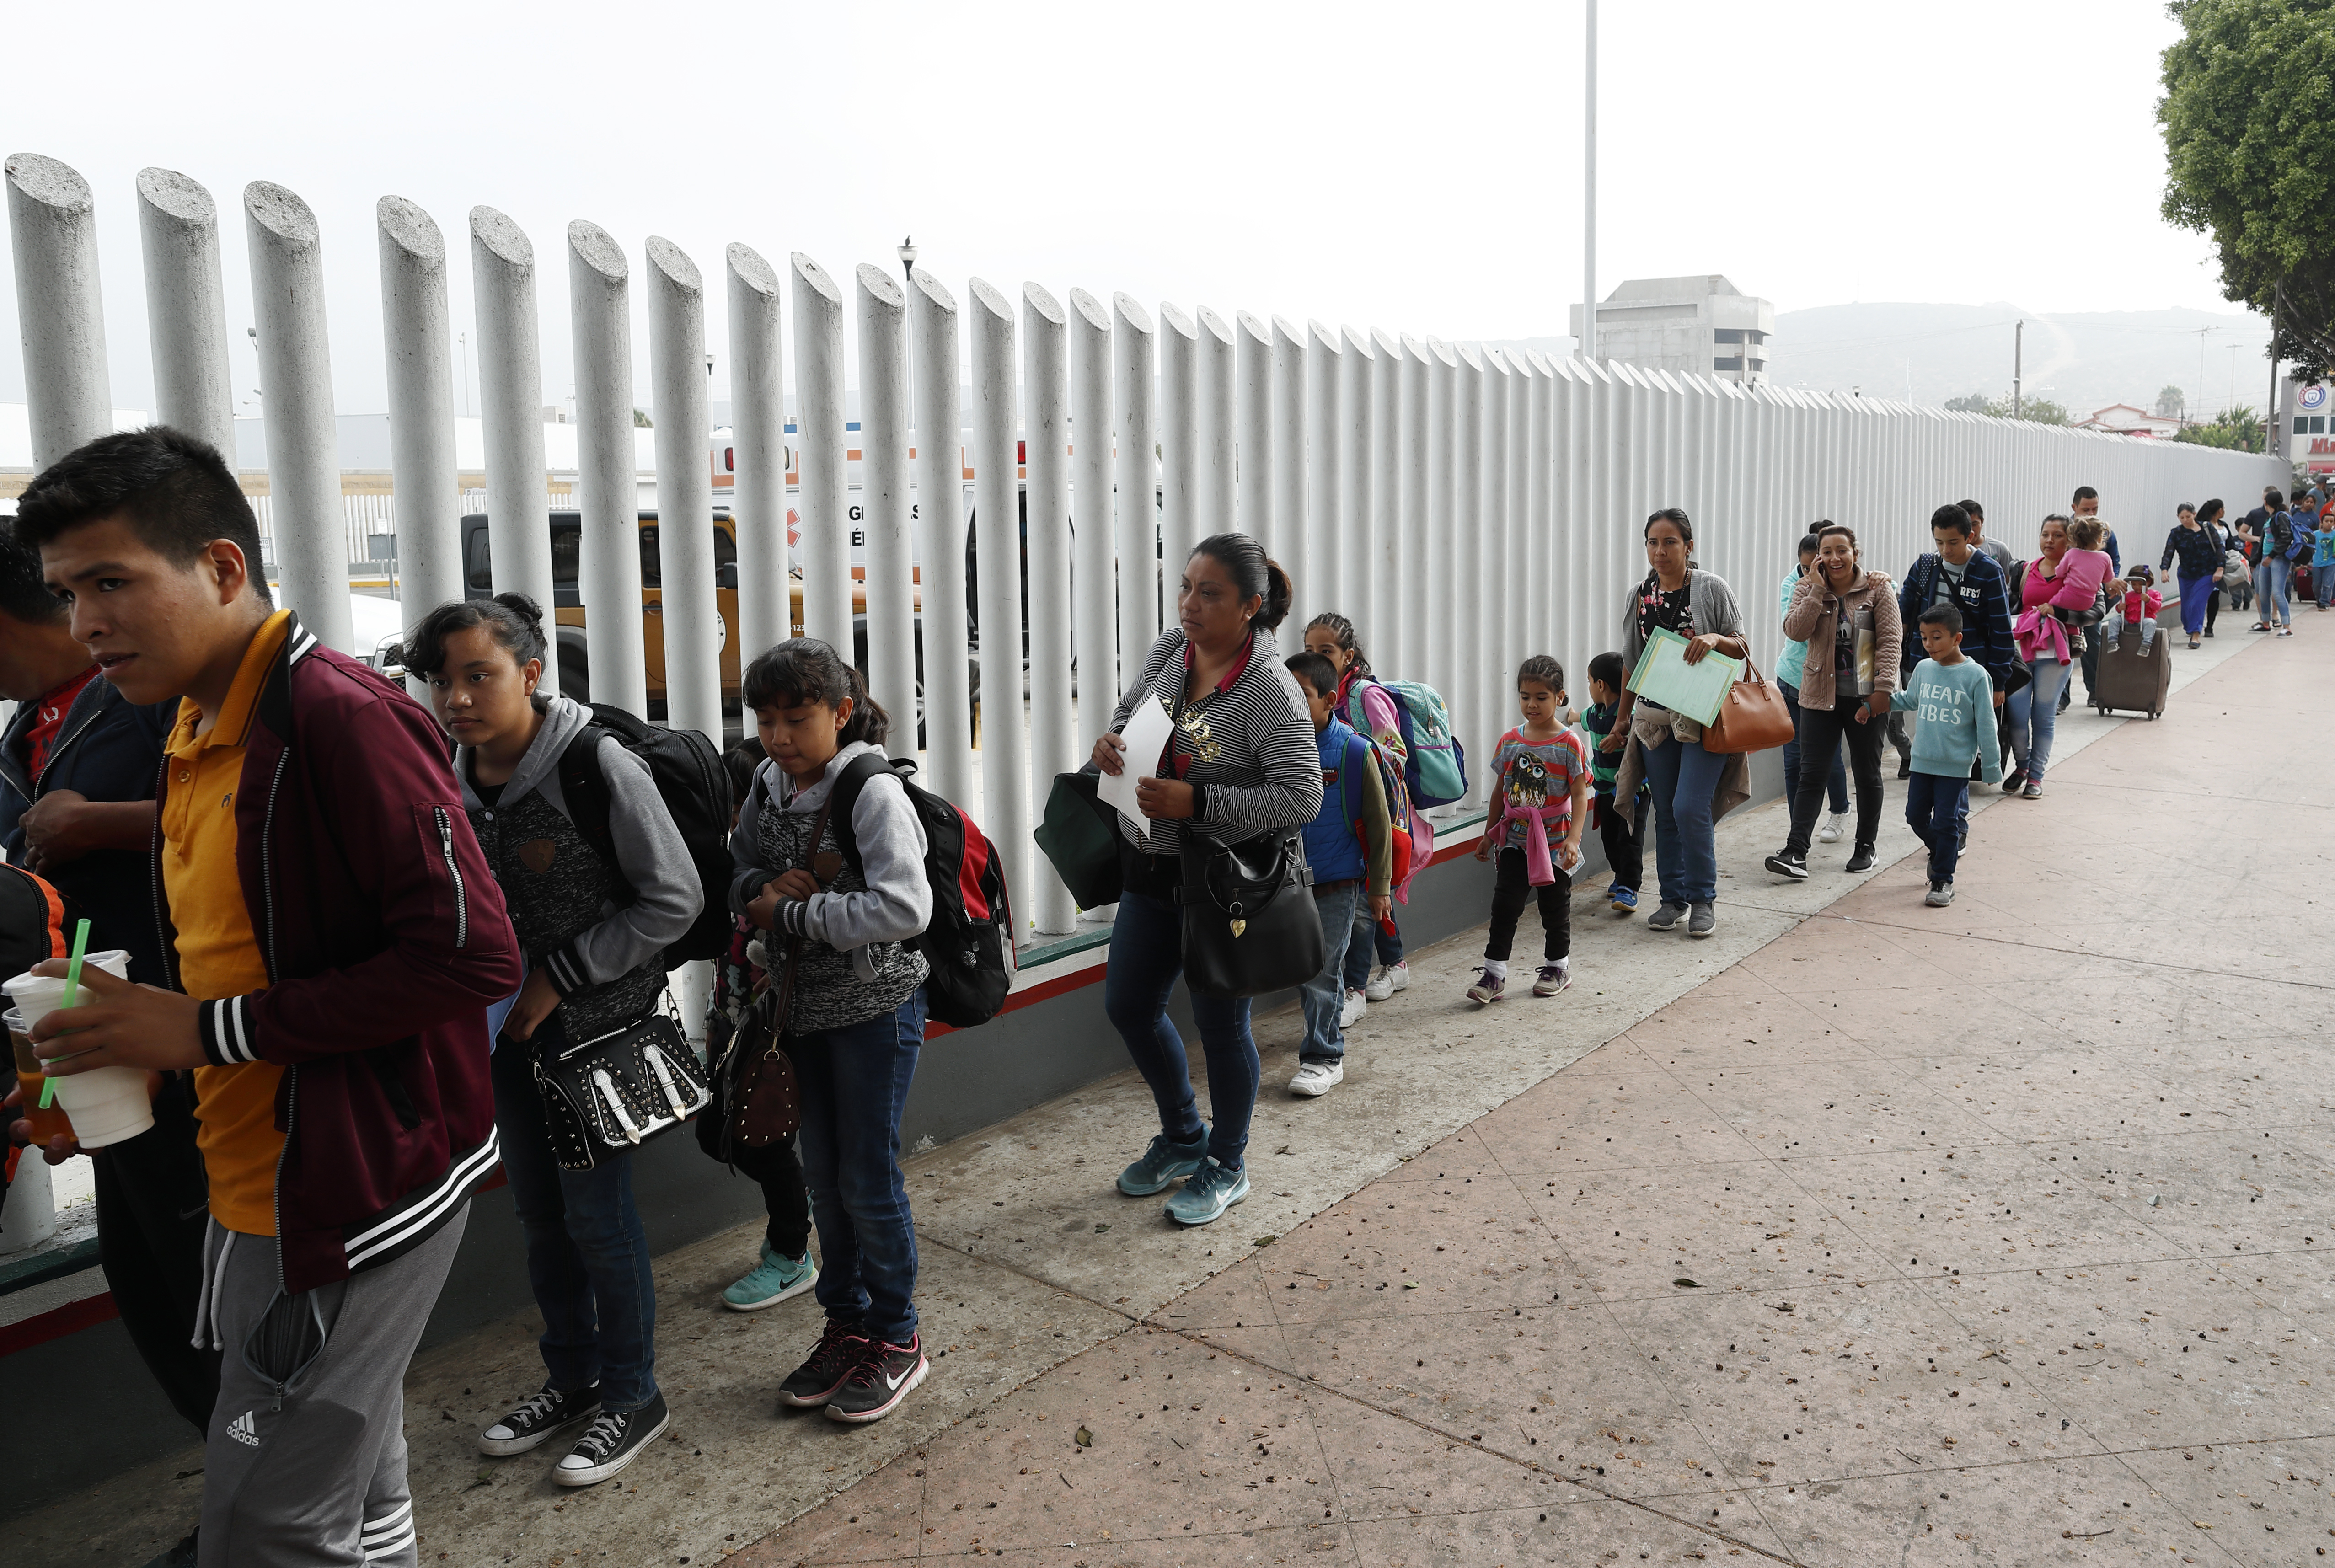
[
  {"x": 2124, "y": 420},
  {"x": 2307, "y": 420},
  {"x": 1699, "y": 326}
]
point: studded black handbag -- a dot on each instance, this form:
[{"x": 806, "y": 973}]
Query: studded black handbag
[{"x": 1250, "y": 924}]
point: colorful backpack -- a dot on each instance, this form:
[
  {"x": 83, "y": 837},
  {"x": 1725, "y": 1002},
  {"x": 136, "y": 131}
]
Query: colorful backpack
[
  {"x": 1397, "y": 800},
  {"x": 1434, "y": 763}
]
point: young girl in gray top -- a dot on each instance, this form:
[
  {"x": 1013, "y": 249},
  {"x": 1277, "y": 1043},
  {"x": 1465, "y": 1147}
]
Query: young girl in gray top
[{"x": 594, "y": 933}]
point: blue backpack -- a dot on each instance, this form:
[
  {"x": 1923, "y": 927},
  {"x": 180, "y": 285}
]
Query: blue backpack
[
  {"x": 1434, "y": 763},
  {"x": 2298, "y": 537}
]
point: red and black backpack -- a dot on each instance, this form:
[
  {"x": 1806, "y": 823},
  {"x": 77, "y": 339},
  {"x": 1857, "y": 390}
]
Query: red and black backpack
[
  {"x": 32, "y": 920},
  {"x": 968, "y": 942}
]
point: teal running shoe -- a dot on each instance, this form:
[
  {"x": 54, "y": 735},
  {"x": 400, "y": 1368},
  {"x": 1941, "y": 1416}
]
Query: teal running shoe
[
  {"x": 771, "y": 1282},
  {"x": 1163, "y": 1165},
  {"x": 1213, "y": 1189}
]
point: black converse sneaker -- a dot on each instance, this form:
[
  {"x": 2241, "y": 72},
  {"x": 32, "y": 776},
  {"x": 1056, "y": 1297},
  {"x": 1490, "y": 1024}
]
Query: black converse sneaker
[
  {"x": 842, "y": 1345},
  {"x": 536, "y": 1417},
  {"x": 613, "y": 1440},
  {"x": 884, "y": 1377}
]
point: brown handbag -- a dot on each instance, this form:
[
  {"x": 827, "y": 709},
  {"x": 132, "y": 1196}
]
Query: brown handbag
[
  {"x": 765, "y": 1103},
  {"x": 1753, "y": 718}
]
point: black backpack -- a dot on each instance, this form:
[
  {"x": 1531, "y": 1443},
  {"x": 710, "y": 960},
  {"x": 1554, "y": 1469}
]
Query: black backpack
[
  {"x": 690, "y": 779},
  {"x": 32, "y": 920},
  {"x": 969, "y": 944}
]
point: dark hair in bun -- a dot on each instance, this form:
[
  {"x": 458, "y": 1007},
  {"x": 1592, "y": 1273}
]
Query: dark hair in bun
[
  {"x": 514, "y": 620},
  {"x": 1256, "y": 575}
]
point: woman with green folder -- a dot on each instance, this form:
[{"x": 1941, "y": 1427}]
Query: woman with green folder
[{"x": 1693, "y": 788}]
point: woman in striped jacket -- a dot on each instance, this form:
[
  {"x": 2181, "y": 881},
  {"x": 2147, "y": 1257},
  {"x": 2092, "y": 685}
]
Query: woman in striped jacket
[{"x": 1242, "y": 761}]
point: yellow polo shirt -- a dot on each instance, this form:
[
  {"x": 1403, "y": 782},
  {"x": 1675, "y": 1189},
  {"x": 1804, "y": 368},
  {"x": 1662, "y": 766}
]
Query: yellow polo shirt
[{"x": 218, "y": 951}]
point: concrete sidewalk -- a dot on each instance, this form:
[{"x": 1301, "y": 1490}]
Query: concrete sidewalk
[
  {"x": 2000, "y": 1234},
  {"x": 1904, "y": 1157}
]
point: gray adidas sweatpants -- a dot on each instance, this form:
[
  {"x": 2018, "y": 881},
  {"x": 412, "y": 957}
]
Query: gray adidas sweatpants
[{"x": 304, "y": 1464}]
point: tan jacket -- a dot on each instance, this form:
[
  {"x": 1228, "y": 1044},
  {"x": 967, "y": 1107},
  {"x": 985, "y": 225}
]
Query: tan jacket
[{"x": 1810, "y": 618}]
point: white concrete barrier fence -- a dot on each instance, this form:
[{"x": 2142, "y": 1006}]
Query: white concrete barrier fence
[{"x": 1465, "y": 503}]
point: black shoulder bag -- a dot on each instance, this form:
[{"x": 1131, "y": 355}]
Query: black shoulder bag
[{"x": 1250, "y": 924}]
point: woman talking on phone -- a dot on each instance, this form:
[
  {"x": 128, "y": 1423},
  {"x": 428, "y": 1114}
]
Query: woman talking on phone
[{"x": 1848, "y": 618}]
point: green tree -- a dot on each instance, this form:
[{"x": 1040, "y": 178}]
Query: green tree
[
  {"x": 641, "y": 420},
  {"x": 2171, "y": 403},
  {"x": 2034, "y": 411},
  {"x": 1970, "y": 403},
  {"x": 2248, "y": 94},
  {"x": 2237, "y": 430}
]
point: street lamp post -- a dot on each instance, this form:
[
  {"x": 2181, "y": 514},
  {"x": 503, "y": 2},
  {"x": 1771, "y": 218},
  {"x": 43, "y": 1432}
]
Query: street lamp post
[{"x": 908, "y": 259}]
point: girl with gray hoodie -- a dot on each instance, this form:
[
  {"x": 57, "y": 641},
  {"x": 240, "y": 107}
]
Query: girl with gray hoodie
[
  {"x": 842, "y": 895},
  {"x": 594, "y": 934}
]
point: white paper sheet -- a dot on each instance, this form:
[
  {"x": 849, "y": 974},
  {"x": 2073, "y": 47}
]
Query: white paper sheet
[{"x": 1146, "y": 734}]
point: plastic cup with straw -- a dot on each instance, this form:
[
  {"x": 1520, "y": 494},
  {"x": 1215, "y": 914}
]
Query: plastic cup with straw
[{"x": 73, "y": 988}]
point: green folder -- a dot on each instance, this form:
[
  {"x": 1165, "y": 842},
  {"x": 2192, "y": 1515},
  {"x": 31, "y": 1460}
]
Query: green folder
[{"x": 1697, "y": 689}]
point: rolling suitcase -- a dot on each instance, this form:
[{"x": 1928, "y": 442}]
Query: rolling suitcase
[{"x": 2132, "y": 680}]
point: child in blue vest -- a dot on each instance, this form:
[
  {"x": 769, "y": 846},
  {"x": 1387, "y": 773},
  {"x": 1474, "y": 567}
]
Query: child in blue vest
[
  {"x": 1540, "y": 802},
  {"x": 1349, "y": 845},
  {"x": 1626, "y": 842}
]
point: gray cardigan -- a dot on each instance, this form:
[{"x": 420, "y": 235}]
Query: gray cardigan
[{"x": 1708, "y": 597}]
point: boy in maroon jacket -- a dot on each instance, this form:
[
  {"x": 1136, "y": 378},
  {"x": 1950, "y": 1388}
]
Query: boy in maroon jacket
[{"x": 333, "y": 937}]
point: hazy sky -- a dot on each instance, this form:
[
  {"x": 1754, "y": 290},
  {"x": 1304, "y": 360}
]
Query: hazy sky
[{"x": 1413, "y": 167}]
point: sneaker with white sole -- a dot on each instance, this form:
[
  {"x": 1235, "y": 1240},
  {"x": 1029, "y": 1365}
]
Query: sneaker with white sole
[
  {"x": 885, "y": 1376},
  {"x": 842, "y": 1345},
  {"x": 1212, "y": 1189},
  {"x": 1704, "y": 920},
  {"x": 536, "y": 1417},
  {"x": 1488, "y": 987},
  {"x": 613, "y": 1440},
  {"x": 1315, "y": 1079},
  {"x": 1836, "y": 823},
  {"x": 1399, "y": 974},
  {"x": 1552, "y": 978},
  {"x": 770, "y": 1282},
  {"x": 1667, "y": 917},
  {"x": 1357, "y": 1004},
  {"x": 1784, "y": 863},
  {"x": 1380, "y": 986},
  {"x": 1163, "y": 1165},
  {"x": 1941, "y": 894}
]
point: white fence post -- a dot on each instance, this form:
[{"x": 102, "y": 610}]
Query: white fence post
[
  {"x": 1180, "y": 505},
  {"x": 1440, "y": 648},
  {"x": 1325, "y": 474},
  {"x": 1135, "y": 472},
  {"x": 1093, "y": 575},
  {"x": 1053, "y": 740},
  {"x": 1405, "y": 650},
  {"x": 1357, "y": 548},
  {"x": 1496, "y": 635},
  {"x": 1470, "y": 545},
  {"x": 940, "y": 541},
  {"x": 417, "y": 333},
  {"x": 684, "y": 489},
  {"x": 60, "y": 309},
  {"x": 510, "y": 400},
  {"x": 296, "y": 373},
  {"x": 1253, "y": 454},
  {"x": 1293, "y": 518},
  {"x": 890, "y": 582},
  {"x": 1217, "y": 509},
  {"x": 608, "y": 569},
  {"x": 1383, "y": 569},
  {"x": 757, "y": 445},
  {"x": 996, "y": 509},
  {"x": 186, "y": 308},
  {"x": 825, "y": 552}
]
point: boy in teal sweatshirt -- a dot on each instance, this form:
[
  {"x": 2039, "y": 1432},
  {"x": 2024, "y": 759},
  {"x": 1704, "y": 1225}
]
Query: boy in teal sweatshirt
[{"x": 1953, "y": 700}]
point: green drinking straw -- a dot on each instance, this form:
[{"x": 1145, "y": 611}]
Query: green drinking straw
[{"x": 73, "y": 984}]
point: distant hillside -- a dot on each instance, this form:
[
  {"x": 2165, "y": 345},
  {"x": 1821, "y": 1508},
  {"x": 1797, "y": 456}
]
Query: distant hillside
[{"x": 2084, "y": 361}]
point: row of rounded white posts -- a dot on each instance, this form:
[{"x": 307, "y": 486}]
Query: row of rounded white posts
[{"x": 1465, "y": 506}]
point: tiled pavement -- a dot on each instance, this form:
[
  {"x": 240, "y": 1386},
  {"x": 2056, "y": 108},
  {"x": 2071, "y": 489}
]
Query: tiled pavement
[{"x": 1861, "y": 1232}]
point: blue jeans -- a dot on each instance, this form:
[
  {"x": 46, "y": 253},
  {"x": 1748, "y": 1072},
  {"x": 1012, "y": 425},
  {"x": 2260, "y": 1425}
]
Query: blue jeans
[
  {"x": 2035, "y": 715},
  {"x": 1324, "y": 997},
  {"x": 1685, "y": 779},
  {"x": 1837, "y": 785},
  {"x": 1147, "y": 954},
  {"x": 1370, "y": 941},
  {"x": 853, "y": 1083},
  {"x": 2273, "y": 576},
  {"x": 2322, "y": 584},
  {"x": 1935, "y": 806},
  {"x": 588, "y": 1257}
]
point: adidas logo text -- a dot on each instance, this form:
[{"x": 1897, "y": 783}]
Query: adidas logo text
[{"x": 243, "y": 1430}]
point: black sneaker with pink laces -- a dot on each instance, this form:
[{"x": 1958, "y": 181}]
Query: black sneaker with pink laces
[
  {"x": 885, "y": 1376},
  {"x": 842, "y": 1345}
]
